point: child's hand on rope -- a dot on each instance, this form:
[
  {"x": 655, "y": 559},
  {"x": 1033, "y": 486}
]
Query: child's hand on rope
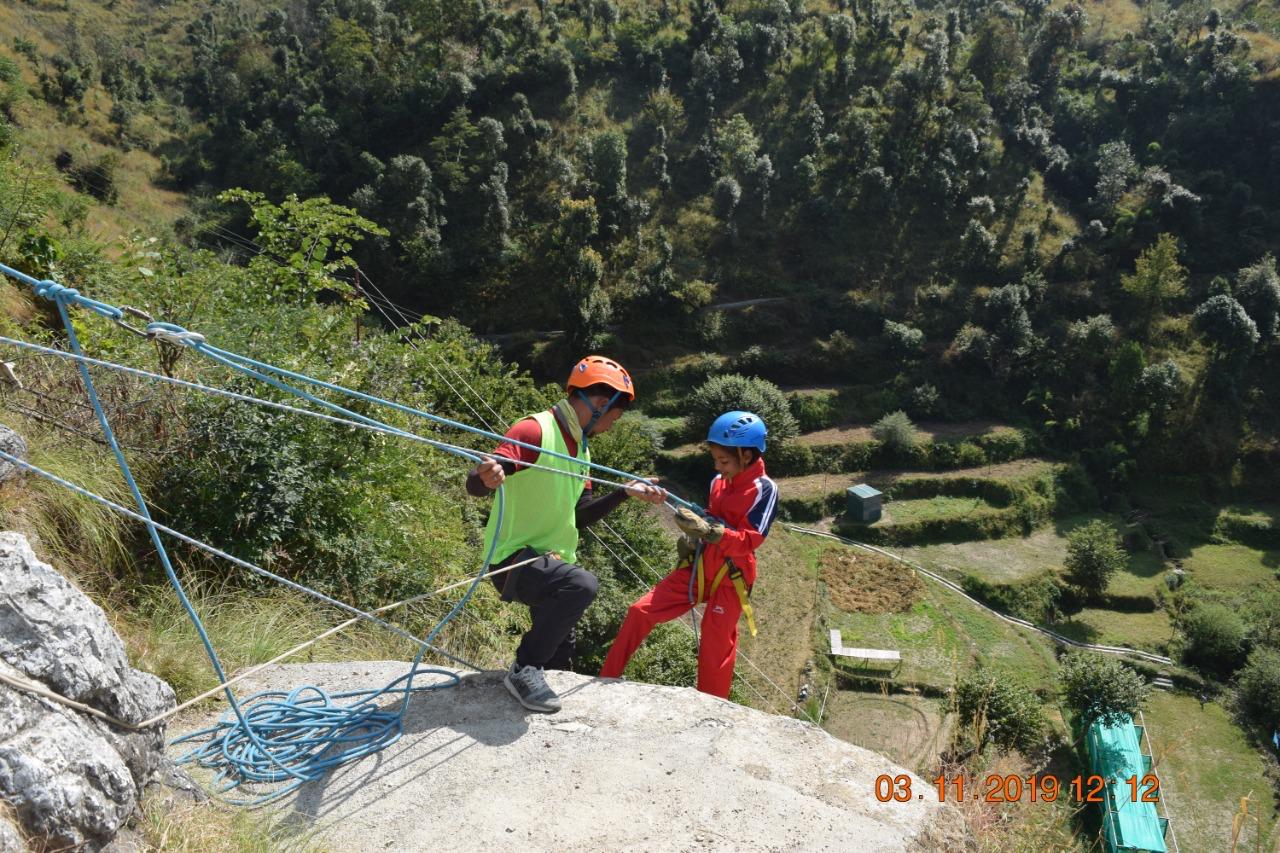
[
  {"x": 708, "y": 530},
  {"x": 646, "y": 491}
]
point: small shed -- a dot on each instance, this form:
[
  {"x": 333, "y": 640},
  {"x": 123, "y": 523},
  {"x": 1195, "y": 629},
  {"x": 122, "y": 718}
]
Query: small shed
[{"x": 864, "y": 503}]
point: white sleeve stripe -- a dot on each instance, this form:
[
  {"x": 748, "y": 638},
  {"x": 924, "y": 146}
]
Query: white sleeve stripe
[{"x": 767, "y": 491}]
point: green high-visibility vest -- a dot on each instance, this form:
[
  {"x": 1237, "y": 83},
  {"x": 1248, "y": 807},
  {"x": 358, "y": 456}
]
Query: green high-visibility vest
[{"x": 540, "y": 505}]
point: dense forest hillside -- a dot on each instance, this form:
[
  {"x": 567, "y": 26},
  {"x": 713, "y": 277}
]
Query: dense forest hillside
[{"x": 1058, "y": 213}]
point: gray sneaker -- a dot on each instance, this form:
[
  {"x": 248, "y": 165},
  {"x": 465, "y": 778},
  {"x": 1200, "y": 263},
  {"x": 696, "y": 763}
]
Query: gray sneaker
[{"x": 529, "y": 685}]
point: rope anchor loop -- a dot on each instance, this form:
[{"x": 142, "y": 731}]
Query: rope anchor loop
[{"x": 170, "y": 333}]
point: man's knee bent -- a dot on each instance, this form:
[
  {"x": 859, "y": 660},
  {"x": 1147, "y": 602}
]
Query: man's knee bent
[{"x": 584, "y": 587}]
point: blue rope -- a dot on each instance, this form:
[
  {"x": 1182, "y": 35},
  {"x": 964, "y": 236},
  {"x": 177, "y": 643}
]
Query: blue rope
[
  {"x": 282, "y": 407},
  {"x": 258, "y": 369},
  {"x": 292, "y": 740}
]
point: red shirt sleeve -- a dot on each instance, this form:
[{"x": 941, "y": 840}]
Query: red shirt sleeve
[{"x": 527, "y": 431}]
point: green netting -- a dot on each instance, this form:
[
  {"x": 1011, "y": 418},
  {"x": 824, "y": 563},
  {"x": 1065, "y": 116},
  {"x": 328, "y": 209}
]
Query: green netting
[{"x": 1115, "y": 751}]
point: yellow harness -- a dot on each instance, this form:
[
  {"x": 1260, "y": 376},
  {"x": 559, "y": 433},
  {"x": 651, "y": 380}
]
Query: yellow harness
[{"x": 739, "y": 583}]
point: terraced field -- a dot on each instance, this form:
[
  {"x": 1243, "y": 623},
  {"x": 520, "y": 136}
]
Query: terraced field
[{"x": 822, "y": 484}]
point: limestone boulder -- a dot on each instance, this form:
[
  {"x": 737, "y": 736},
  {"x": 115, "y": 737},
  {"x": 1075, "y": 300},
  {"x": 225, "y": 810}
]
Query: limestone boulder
[{"x": 72, "y": 779}]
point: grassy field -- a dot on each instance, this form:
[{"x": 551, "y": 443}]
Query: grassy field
[
  {"x": 852, "y": 433},
  {"x": 909, "y": 730},
  {"x": 901, "y": 512},
  {"x": 1150, "y": 631},
  {"x": 1206, "y": 765},
  {"x": 1012, "y": 560},
  {"x": 785, "y": 598},
  {"x": 1231, "y": 567},
  {"x": 942, "y": 635},
  {"x": 822, "y": 484}
]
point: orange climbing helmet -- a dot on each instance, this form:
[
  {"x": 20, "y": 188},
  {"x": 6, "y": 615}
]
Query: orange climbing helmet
[{"x": 598, "y": 370}]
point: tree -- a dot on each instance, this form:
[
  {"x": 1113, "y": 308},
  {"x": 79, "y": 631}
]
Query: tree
[
  {"x": 1093, "y": 557},
  {"x": 902, "y": 340},
  {"x": 1116, "y": 169},
  {"x": 1098, "y": 687},
  {"x": 1001, "y": 710},
  {"x": 609, "y": 173},
  {"x": 1157, "y": 278},
  {"x": 1259, "y": 687},
  {"x": 576, "y": 270},
  {"x": 733, "y": 391},
  {"x": 725, "y": 196},
  {"x": 305, "y": 244},
  {"x": 1258, "y": 291},
  {"x": 1227, "y": 326}
]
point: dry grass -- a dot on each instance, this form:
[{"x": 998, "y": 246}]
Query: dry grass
[
  {"x": 215, "y": 828},
  {"x": 908, "y": 730},
  {"x": 869, "y": 583}
]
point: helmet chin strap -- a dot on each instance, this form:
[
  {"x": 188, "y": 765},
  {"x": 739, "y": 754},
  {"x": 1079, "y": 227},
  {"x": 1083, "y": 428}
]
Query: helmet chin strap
[{"x": 596, "y": 414}]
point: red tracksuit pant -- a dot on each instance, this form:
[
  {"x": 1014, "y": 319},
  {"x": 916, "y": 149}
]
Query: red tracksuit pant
[{"x": 668, "y": 600}]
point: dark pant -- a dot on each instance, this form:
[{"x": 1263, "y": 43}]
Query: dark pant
[{"x": 557, "y": 594}]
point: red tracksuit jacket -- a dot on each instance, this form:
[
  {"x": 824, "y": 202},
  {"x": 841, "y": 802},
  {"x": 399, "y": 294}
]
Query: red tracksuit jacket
[{"x": 747, "y": 505}]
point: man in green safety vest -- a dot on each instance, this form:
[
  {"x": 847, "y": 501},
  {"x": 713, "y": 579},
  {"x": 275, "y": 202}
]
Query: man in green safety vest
[{"x": 543, "y": 514}]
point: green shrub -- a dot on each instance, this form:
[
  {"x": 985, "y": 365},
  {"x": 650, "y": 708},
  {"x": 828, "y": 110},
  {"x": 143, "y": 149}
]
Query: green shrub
[
  {"x": 896, "y": 432},
  {"x": 1253, "y": 532},
  {"x": 722, "y": 394},
  {"x": 631, "y": 445},
  {"x": 814, "y": 411},
  {"x": 1259, "y": 687},
  {"x": 1213, "y": 637},
  {"x": 859, "y": 456},
  {"x": 790, "y": 460},
  {"x": 970, "y": 455},
  {"x": 1097, "y": 687},
  {"x": 1003, "y": 445},
  {"x": 1034, "y": 599},
  {"x": 1001, "y": 711}
]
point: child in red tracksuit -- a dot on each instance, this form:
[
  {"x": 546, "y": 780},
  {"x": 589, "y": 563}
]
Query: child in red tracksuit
[{"x": 742, "y": 506}]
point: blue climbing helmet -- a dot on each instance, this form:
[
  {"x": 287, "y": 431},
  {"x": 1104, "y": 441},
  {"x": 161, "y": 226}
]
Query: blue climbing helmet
[{"x": 738, "y": 429}]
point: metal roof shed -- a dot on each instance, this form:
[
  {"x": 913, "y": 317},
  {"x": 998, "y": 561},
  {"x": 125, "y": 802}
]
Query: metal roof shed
[{"x": 863, "y": 503}]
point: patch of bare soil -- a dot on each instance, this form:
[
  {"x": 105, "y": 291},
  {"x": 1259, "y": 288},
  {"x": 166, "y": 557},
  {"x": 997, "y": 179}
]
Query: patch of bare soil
[{"x": 869, "y": 583}]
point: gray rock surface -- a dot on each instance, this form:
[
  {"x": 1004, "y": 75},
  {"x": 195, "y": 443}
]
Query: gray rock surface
[
  {"x": 71, "y": 778},
  {"x": 624, "y": 767},
  {"x": 11, "y": 443}
]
